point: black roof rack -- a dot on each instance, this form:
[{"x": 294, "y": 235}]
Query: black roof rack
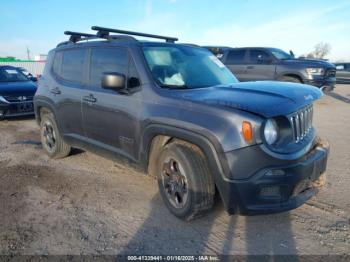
[{"x": 103, "y": 32}]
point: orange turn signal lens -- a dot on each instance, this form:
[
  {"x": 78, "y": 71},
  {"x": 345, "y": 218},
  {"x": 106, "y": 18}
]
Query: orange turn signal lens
[{"x": 247, "y": 131}]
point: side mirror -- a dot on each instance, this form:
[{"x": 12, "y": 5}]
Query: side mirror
[
  {"x": 291, "y": 53},
  {"x": 33, "y": 78},
  {"x": 114, "y": 81}
]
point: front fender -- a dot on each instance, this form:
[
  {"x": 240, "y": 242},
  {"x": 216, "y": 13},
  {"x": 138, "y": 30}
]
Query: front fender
[{"x": 210, "y": 147}]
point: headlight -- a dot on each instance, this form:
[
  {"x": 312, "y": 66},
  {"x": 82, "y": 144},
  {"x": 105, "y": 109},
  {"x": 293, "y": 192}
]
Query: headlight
[
  {"x": 270, "y": 131},
  {"x": 2, "y": 99},
  {"x": 314, "y": 71}
]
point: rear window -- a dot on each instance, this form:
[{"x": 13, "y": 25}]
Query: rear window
[
  {"x": 69, "y": 64},
  {"x": 236, "y": 57},
  {"x": 72, "y": 65}
]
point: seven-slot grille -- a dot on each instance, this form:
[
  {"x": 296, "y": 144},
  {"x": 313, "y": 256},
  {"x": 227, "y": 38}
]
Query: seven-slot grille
[{"x": 301, "y": 122}]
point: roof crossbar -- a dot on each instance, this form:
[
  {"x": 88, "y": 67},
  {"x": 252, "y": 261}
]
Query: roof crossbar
[{"x": 103, "y": 32}]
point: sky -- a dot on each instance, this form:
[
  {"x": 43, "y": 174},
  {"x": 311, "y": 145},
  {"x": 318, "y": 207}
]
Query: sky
[{"x": 289, "y": 24}]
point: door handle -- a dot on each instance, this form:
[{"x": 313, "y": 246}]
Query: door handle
[
  {"x": 55, "y": 91},
  {"x": 250, "y": 67},
  {"x": 90, "y": 99}
]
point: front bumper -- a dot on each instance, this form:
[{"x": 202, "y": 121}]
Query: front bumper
[
  {"x": 324, "y": 83},
  {"x": 278, "y": 188},
  {"x": 8, "y": 110}
]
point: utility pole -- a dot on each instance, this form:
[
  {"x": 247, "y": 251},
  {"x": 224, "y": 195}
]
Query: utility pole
[{"x": 28, "y": 53}]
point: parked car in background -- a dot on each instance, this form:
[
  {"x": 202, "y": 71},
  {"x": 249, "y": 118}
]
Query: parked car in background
[
  {"x": 261, "y": 63},
  {"x": 343, "y": 73},
  {"x": 16, "y": 93},
  {"x": 181, "y": 115}
]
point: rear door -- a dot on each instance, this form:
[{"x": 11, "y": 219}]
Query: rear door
[
  {"x": 69, "y": 71},
  {"x": 235, "y": 60},
  {"x": 110, "y": 118},
  {"x": 260, "y": 65}
]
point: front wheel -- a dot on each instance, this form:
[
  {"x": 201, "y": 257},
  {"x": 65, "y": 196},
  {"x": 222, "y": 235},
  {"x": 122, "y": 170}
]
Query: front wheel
[
  {"x": 184, "y": 181},
  {"x": 51, "y": 139},
  {"x": 292, "y": 79}
]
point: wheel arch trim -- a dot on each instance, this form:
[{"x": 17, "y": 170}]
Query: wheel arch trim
[{"x": 212, "y": 151}]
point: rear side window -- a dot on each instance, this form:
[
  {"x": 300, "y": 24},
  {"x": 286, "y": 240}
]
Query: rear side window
[
  {"x": 257, "y": 56},
  {"x": 56, "y": 66},
  {"x": 236, "y": 57},
  {"x": 72, "y": 67},
  {"x": 105, "y": 60}
]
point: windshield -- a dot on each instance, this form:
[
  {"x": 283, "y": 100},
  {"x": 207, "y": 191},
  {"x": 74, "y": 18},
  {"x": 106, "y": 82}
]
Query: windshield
[
  {"x": 280, "y": 54},
  {"x": 10, "y": 74},
  {"x": 186, "y": 67}
]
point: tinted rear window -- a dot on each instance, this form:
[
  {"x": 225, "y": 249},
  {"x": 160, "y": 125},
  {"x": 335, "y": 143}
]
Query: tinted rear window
[
  {"x": 56, "y": 66},
  {"x": 236, "y": 57},
  {"x": 72, "y": 65}
]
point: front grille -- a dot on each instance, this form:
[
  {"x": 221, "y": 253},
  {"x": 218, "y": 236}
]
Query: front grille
[
  {"x": 301, "y": 122},
  {"x": 19, "y": 98},
  {"x": 330, "y": 73}
]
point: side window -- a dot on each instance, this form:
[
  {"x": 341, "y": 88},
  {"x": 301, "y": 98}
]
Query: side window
[
  {"x": 236, "y": 57},
  {"x": 107, "y": 60},
  {"x": 258, "y": 57},
  {"x": 72, "y": 67},
  {"x": 56, "y": 66}
]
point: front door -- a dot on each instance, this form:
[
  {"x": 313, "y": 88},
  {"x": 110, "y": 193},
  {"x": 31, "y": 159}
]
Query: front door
[{"x": 110, "y": 118}]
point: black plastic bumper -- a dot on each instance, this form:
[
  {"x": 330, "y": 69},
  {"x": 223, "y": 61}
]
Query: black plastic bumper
[
  {"x": 16, "y": 109},
  {"x": 276, "y": 188},
  {"x": 327, "y": 83}
]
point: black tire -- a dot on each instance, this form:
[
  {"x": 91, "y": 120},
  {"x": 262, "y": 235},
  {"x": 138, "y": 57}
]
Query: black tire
[
  {"x": 196, "y": 180},
  {"x": 53, "y": 143},
  {"x": 292, "y": 79}
]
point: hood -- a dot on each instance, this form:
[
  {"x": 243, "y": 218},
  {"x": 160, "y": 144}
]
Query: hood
[
  {"x": 265, "y": 98},
  {"x": 17, "y": 88},
  {"x": 308, "y": 63}
]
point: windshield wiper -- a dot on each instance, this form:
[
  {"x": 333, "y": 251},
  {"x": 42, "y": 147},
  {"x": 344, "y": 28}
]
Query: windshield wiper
[{"x": 175, "y": 86}]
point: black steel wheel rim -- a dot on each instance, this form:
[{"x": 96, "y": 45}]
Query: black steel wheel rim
[
  {"x": 174, "y": 182},
  {"x": 49, "y": 136}
]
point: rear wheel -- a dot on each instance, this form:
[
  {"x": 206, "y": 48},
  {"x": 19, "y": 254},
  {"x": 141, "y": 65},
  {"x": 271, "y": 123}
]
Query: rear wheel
[
  {"x": 184, "y": 180},
  {"x": 292, "y": 79},
  {"x": 51, "y": 139}
]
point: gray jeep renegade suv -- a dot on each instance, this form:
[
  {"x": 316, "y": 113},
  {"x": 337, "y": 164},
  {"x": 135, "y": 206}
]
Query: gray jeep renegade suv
[{"x": 181, "y": 115}]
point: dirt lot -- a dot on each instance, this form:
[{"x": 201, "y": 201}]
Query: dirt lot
[{"x": 85, "y": 204}]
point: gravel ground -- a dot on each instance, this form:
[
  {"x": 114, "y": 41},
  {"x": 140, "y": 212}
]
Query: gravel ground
[{"x": 85, "y": 204}]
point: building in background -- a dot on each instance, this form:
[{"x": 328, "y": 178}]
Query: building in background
[
  {"x": 35, "y": 67},
  {"x": 40, "y": 57}
]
